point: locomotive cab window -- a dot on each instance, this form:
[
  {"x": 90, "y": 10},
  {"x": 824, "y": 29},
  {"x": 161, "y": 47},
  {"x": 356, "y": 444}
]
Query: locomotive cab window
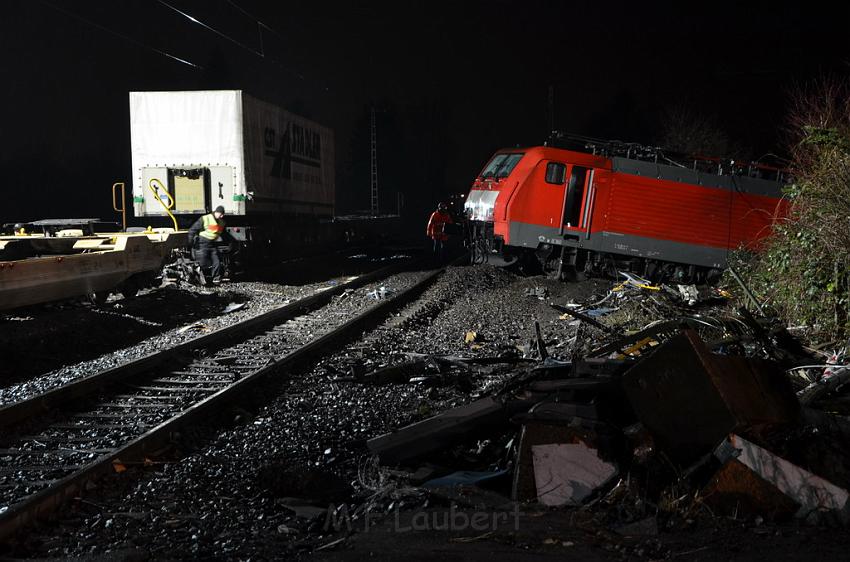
[
  {"x": 555, "y": 173},
  {"x": 501, "y": 165}
]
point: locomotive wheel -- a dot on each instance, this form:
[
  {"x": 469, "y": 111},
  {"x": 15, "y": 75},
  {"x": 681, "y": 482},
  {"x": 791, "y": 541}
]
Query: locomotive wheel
[
  {"x": 550, "y": 269},
  {"x": 712, "y": 277},
  {"x": 568, "y": 273},
  {"x": 550, "y": 261}
]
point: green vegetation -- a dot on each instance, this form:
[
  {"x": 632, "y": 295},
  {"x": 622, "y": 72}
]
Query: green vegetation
[{"x": 803, "y": 272}]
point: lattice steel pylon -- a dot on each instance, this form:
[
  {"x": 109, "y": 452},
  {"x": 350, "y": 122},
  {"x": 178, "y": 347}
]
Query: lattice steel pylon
[{"x": 374, "y": 166}]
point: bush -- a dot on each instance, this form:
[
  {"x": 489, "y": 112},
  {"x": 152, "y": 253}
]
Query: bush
[{"x": 803, "y": 269}]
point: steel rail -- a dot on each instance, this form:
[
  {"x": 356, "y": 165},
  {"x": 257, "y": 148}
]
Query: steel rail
[
  {"x": 44, "y": 501},
  {"x": 16, "y": 412}
]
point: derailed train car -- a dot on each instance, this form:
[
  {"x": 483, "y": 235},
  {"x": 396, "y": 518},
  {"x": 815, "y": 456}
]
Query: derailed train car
[
  {"x": 604, "y": 208},
  {"x": 271, "y": 170},
  {"x": 192, "y": 151},
  {"x": 39, "y": 268}
]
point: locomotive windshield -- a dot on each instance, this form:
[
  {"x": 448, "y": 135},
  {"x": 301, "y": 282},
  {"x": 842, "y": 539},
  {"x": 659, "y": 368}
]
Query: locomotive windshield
[{"x": 501, "y": 165}]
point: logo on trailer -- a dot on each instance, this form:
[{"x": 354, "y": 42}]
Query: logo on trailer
[{"x": 298, "y": 145}]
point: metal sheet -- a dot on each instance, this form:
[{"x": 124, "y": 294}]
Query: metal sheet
[{"x": 690, "y": 399}]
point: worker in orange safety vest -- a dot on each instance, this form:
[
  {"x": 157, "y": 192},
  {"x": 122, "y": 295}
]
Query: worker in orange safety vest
[{"x": 436, "y": 224}]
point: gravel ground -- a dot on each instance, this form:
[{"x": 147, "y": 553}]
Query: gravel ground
[
  {"x": 56, "y": 344},
  {"x": 252, "y": 484},
  {"x": 226, "y": 497}
]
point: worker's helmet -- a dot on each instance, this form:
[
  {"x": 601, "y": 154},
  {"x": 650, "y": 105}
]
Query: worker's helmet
[{"x": 442, "y": 207}]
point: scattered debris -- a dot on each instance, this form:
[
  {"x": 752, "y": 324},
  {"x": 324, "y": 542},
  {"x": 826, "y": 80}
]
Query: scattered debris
[
  {"x": 692, "y": 405},
  {"x": 380, "y": 293},
  {"x": 233, "y": 307},
  {"x": 568, "y": 473},
  {"x": 690, "y": 294},
  {"x": 639, "y": 282},
  {"x": 584, "y": 318},
  {"x": 464, "y": 477},
  {"x": 647, "y": 526},
  {"x": 690, "y": 398},
  {"x": 539, "y": 292},
  {"x": 398, "y": 373},
  {"x": 602, "y": 311},
  {"x": 331, "y": 544},
  {"x": 439, "y": 431},
  {"x": 811, "y": 493},
  {"x": 308, "y": 512},
  {"x": 654, "y": 408},
  {"x": 196, "y": 327},
  {"x": 17, "y": 318}
]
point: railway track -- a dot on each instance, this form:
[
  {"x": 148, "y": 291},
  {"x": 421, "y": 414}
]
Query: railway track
[{"x": 55, "y": 443}]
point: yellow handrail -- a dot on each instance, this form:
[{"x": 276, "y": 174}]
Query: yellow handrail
[
  {"x": 123, "y": 209},
  {"x": 161, "y": 202}
]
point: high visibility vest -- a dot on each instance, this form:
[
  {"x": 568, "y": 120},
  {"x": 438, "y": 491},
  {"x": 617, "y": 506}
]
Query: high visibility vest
[{"x": 212, "y": 228}]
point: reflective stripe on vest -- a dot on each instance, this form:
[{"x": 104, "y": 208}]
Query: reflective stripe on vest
[{"x": 212, "y": 228}]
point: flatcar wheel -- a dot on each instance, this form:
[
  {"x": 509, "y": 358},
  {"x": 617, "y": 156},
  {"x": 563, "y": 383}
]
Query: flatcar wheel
[
  {"x": 131, "y": 287},
  {"x": 129, "y": 290},
  {"x": 98, "y": 297}
]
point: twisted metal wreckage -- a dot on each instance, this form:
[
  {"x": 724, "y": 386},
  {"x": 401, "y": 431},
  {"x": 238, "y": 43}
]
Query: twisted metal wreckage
[{"x": 706, "y": 410}]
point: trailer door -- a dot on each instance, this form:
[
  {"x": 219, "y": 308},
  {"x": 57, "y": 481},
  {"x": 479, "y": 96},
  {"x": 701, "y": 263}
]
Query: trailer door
[{"x": 576, "y": 200}]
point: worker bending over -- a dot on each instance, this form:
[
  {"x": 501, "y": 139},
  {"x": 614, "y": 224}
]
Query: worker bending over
[{"x": 204, "y": 237}]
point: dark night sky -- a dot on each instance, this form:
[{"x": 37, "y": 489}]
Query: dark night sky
[{"x": 454, "y": 80}]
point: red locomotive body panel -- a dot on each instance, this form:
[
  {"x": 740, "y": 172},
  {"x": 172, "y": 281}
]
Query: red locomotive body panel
[{"x": 545, "y": 195}]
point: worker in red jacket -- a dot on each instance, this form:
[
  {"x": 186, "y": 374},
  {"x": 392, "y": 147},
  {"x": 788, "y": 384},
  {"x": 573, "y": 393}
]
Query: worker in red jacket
[{"x": 438, "y": 220}]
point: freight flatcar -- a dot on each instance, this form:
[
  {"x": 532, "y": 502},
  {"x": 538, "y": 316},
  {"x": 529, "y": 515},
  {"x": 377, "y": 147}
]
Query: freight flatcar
[
  {"x": 42, "y": 267},
  {"x": 607, "y": 206}
]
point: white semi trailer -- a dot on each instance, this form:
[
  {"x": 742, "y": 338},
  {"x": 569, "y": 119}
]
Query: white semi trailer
[{"x": 271, "y": 170}]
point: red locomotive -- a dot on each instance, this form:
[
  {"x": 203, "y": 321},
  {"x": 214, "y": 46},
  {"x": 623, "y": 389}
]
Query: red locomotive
[{"x": 617, "y": 205}]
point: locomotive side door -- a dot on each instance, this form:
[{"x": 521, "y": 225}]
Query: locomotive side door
[{"x": 577, "y": 200}]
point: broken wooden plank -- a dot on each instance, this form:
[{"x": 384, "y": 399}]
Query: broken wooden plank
[
  {"x": 445, "y": 429},
  {"x": 585, "y": 318},
  {"x": 810, "y": 492},
  {"x": 541, "y": 345}
]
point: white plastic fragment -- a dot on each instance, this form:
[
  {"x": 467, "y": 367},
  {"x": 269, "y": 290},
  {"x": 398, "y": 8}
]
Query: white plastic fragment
[{"x": 568, "y": 473}]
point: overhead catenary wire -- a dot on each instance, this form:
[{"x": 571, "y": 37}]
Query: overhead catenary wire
[
  {"x": 260, "y": 23},
  {"x": 223, "y": 35},
  {"x": 122, "y": 36},
  {"x": 210, "y": 28}
]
